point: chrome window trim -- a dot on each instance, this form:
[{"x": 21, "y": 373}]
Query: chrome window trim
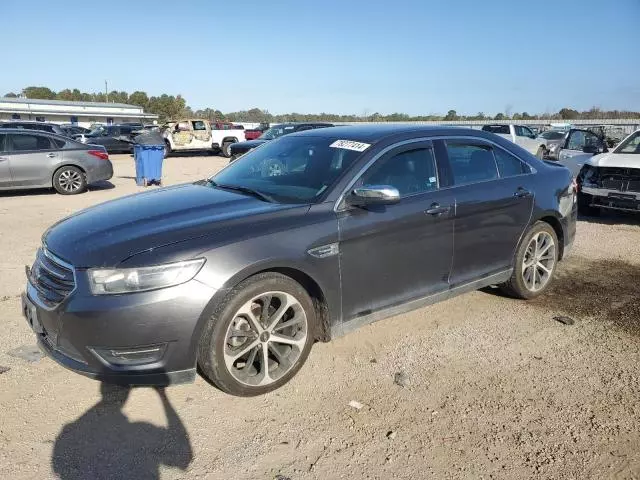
[{"x": 337, "y": 208}]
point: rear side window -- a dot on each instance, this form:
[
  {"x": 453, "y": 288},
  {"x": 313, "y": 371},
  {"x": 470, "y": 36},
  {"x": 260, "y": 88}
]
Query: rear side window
[
  {"x": 199, "y": 125},
  {"x": 471, "y": 163},
  {"x": 29, "y": 142},
  {"x": 508, "y": 165},
  {"x": 58, "y": 143}
]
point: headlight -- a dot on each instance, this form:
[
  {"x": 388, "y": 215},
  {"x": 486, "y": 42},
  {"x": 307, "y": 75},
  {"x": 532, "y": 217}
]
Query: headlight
[{"x": 127, "y": 280}]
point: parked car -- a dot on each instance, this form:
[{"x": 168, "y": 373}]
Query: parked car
[
  {"x": 611, "y": 181},
  {"x": 523, "y": 136},
  {"x": 35, "y": 159},
  {"x": 553, "y": 139},
  {"x": 303, "y": 239},
  {"x": 71, "y": 130},
  {"x": 40, "y": 126},
  {"x": 196, "y": 135},
  {"x": 254, "y": 133},
  {"x": 272, "y": 133},
  {"x": 114, "y": 138},
  {"x": 579, "y": 145}
]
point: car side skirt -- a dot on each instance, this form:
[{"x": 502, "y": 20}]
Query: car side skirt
[{"x": 349, "y": 326}]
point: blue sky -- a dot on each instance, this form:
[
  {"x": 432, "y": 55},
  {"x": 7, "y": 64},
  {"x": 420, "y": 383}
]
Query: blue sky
[{"x": 339, "y": 56}]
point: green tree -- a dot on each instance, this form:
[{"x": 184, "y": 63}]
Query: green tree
[
  {"x": 499, "y": 116},
  {"x": 451, "y": 115},
  {"x": 569, "y": 114},
  {"x": 42, "y": 93},
  {"x": 10, "y": 95},
  {"x": 139, "y": 98}
]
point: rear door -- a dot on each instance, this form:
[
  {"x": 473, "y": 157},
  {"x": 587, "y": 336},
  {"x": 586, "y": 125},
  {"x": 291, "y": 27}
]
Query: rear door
[
  {"x": 493, "y": 205},
  {"x": 5, "y": 172},
  {"x": 32, "y": 157}
]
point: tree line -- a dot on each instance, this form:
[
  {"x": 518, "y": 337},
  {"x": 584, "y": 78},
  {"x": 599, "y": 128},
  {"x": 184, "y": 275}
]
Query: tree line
[{"x": 170, "y": 107}]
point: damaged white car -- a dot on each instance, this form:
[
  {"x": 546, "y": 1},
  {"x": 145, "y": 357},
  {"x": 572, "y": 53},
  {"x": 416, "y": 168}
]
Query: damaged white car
[{"x": 611, "y": 180}]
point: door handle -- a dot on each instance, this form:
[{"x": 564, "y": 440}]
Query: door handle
[
  {"x": 52, "y": 155},
  {"x": 522, "y": 192},
  {"x": 436, "y": 210}
]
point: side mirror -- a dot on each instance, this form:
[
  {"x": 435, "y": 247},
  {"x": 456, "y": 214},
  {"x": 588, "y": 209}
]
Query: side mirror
[
  {"x": 592, "y": 149},
  {"x": 374, "y": 195}
]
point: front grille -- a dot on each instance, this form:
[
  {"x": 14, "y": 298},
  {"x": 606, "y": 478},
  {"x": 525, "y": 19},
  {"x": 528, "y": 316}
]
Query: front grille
[
  {"x": 612, "y": 183},
  {"x": 634, "y": 186},
  {"x": 52, "y": 278}
]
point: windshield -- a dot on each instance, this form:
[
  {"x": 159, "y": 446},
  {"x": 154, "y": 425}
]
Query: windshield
[
  {"x": 552, "y": 135},
  {"x": 277, "y": 131},
  {"x": 96, "y": 132},
  {"x": 289, "y": 170},
  {"x": 631, "y": 144}
]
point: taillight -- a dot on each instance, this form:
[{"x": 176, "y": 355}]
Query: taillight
[{"x": 101, "y": 154}]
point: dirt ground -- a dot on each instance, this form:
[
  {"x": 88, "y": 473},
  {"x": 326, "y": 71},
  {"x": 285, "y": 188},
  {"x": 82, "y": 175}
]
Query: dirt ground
[{"x": 480, "y": 386}]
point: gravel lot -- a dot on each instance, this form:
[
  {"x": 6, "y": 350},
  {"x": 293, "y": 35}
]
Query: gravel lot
[{"x": 480, "y": 386}]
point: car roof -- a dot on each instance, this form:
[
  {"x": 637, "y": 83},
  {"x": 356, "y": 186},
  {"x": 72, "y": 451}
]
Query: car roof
[
  {"x": 376, "y": 132},
  {"x": 22, "y": 131},
  {"x": 302, "y": 124}
]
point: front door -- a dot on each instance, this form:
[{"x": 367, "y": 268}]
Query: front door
[
  {"x": 494, "y": 201},
  {"x": 394, "y": 253},
  {"x": 575, "y": 143},
  {"x": 31, "y": 158}
]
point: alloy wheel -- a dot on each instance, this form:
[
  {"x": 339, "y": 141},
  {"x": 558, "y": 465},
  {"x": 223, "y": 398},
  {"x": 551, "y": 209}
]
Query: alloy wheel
[
  {"x": 539, "y": 261},
  {"x": 70, "y": 180},
  {"x": 265, "y": 338}
]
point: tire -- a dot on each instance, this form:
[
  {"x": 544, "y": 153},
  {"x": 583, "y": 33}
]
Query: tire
[
  {"x": 69, "y": 180},
  {"x": 220, "y": 352},
  {"x": 518, "y": 286},
  {"x": 226, "y": 149},
  {"x": 541, "y": 153},
  {"x": 584, "y": 206},
  {"x": 167, "y": 149}
]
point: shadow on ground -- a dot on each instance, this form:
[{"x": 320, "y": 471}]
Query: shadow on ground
[
  {"x": 604, "y": 289},
  {"x": 104, "y": 444},
  {"x": 101, "y": 185},
  {"x": 612, "y": 217}
]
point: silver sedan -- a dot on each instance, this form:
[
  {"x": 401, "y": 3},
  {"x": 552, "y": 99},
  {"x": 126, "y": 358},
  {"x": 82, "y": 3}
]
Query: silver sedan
[{"x": 33, "y": 159}]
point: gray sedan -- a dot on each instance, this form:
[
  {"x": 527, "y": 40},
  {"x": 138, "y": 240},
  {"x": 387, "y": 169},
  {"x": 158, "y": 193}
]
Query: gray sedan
[{"x": 30, "y": 159}]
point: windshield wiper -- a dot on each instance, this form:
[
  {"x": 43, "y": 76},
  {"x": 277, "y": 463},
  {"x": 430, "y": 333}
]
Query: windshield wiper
[{"x": 239, "y": 188}]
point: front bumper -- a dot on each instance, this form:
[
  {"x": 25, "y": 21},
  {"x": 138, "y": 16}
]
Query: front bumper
[
  {"x": 613, "y": 199},
  {"x": 78, "y": 331}
]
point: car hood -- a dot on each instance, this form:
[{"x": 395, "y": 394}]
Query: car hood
[
  {"x": 618, "y": 160},
  {"x": 109, "y": 233}
]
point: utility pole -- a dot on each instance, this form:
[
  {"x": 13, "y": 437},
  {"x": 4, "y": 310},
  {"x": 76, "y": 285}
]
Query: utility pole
[{"x": 106, "y": 91}]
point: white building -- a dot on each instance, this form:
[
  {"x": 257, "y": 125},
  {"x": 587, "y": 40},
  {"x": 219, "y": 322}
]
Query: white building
[{"x": 77, "y": 113}]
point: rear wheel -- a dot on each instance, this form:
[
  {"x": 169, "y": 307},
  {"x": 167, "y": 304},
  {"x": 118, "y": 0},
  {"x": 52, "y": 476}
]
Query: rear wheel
[
  {"x": 260, "y": 336},
  {"x": 167, "y": 149},
  {"x": 535, "y": 262},
  {"x": 69, "y": 180},
  {"x": 541, "y": 153}
]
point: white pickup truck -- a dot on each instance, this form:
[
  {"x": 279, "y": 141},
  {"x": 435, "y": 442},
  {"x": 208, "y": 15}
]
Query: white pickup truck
[
  {"x": 196, "y": 135},
  {"x": 523, "y": 136}
]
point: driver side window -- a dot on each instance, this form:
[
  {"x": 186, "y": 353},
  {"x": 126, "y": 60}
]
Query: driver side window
[{"x": 411, "y": 172}]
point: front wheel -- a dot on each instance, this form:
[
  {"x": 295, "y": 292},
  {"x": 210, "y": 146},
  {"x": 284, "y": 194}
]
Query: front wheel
[
  {"x": 541, "y": 153},
  {"x": 259, "y": 337},
  {"x": 226, "y": 149},
  {"x": 69, "y": 180},
  {"x": 535, "y": 262}
]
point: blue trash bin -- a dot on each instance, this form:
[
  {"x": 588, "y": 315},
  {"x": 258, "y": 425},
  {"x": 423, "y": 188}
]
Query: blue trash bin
[{"x": 148, "y": 160}]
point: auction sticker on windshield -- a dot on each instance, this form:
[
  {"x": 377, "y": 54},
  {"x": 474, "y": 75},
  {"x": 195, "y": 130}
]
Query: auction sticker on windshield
[{"x": 350, "y": 145}]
